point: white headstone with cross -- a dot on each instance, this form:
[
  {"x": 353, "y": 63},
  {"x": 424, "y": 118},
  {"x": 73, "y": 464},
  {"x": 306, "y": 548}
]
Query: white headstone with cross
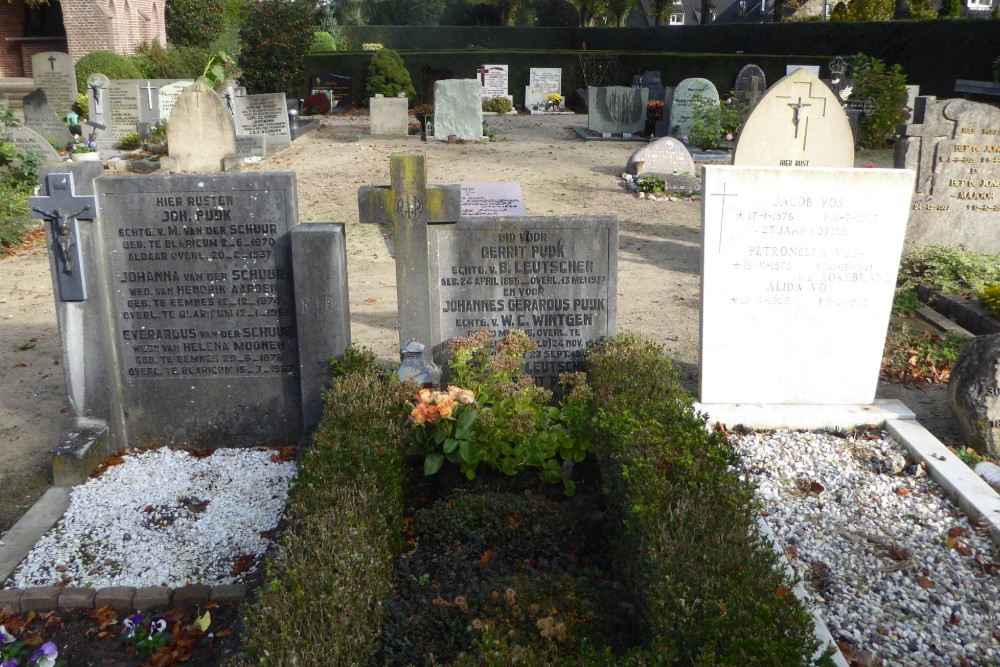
[{"x": 798, "y": 123}]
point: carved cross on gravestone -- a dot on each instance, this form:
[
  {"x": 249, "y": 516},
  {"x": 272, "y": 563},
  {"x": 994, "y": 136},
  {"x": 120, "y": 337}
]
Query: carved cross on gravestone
[
  {"x": 802, "y": 107},
  {"x": 52, "y": 63},
  {"x": 410, "y": 205},
  {"x": 149, "y": 88},
  {"x": 63, "y": 208},
  {"x": 722, "y": 210}
]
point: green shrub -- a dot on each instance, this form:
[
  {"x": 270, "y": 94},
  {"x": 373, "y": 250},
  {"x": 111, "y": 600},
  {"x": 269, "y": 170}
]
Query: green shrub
[
  {"x": 388, "y": 76},
  {"x": 498, "y": 105},
  {"x": 130, "y": 142},
  {"x": 650, "y": 184},
  {"x": 173, "y": 62},
  {"x": 905, "y": 301},
  {"x": 18, "y": 173},
  {"x": 322, "y": 41},
  {"x": 990, "y": 297},
  {"x": 887, "y": 86},
  {"x": 280, "y": 34},
  {"x": 948, "y": 269},
  {"x": 107, "y": 63},
  {"x": 715, "y": 124},
  {"x": 326, "y": 583},
  {"x": 82, "y": 106},
  {"x": 708, "y": 585},
  {"x": 194, "y": 22}
]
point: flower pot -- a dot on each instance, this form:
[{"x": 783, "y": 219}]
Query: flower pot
[{"x": 85, "y": 157}]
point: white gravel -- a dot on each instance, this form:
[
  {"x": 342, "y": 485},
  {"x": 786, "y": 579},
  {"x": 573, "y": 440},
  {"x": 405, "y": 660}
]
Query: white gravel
[
  {"x": 896, "y": 569},
  {"x": 163, "y": 518}
]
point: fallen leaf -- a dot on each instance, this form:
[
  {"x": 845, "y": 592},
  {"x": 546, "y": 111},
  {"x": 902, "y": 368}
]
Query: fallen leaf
[
  {"x": 791, "y": 552},
  {"x": 958, "y": 531},
  {"x": 964, "y": 550},
  {"x": 20, "y": 365},
  {"x": 901, "y": 491},
  {"x": 898, "y": 554},
  {"x": 242, "y": 564},
  {"x": 485, "y": 559},
  {"x": 925, "y": 582},
  {"x": 955, "y": 619},
  {"x": 63, "y": 411},
  {"x": 223, "y": 633},
  {"x": 816, "y": 487},
  {"x": 211, "y": 605}
]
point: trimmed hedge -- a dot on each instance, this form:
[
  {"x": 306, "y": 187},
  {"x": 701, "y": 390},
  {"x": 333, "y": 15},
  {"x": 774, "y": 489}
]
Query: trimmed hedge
[{"x": 709, "y": 586}]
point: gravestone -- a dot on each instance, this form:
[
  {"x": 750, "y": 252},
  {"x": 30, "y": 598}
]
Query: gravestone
[
  {"x": 54, "y": 73},
  {"x": 664, "y": 157},
  {"x": 263, "y": 114},
  {"x": 335, "y": 86},
  {"x": 799, "y": 123},
  {"x": 251, "y": 145},
  {"x": 25, "y": 138},
  {"x": 202, "y": 324},
  {"x": 494, "y": 81},
  {"x": 652, "y": 80},
  {"x": 123, "y": 109},
  {"x": 812, "y": 69},
  {"x": 458, "y": 109},
  {"x": 148, "y": 104},
  {"x": 685, "y": 96},
  {"x": 616, "y": 109},
  {"x": 805, "y": 260},
  {"x": 555, "y": 278},
  {"x": 97, "y": 98},
  {"x": 389, "y": 116},
  {"x": 491, "y": 200},
  {"x": 750, "y": 85},
  {"x": 200, "y": 135},
  {"x": 542, "y": 82},
  {"x": 954, "y": 146},
  {"x": 974, "y": 393},
  {"x": 169, "y": 93},
  {"x": 40, "y": 117}
]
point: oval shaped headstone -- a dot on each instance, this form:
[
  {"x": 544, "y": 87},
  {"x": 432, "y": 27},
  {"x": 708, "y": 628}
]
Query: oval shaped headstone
[
  {"x": 662, "y": 157},
  {"x": 682, "y": 109},
  {"x": 201, "y": 131},
  {"x": 750, "y": 84}
]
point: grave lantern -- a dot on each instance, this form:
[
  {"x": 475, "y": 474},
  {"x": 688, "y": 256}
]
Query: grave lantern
[{"x": 413, "y": 367}]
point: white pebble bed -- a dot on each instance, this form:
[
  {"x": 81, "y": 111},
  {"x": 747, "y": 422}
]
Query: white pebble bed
[
  {"x": 163, "y": 518},
  {"x": 868, "y": 532}
]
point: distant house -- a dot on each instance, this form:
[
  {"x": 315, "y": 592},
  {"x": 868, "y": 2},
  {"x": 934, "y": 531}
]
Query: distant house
[
  {"x": 688, "y": 12},
  {"x": 76, "y": 27}
]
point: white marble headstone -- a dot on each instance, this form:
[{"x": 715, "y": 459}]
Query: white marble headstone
[
  {"x": 492, "y": 200},
  {"x": 798, "y": 273}
]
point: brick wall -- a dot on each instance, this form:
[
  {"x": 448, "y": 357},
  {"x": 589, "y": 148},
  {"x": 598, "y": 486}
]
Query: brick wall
[{"x": 11, "y": 25}]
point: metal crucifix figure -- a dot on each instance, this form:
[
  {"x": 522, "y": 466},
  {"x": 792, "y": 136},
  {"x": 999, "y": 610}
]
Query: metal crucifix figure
[
  {"x": 58, "y": 208},
  {"x": 63, "y": 232},
  {"x": 797, "y": 109}
]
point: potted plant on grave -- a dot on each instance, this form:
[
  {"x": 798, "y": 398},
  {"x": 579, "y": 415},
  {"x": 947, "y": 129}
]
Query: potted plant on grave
[
  {"x": 85, "y": 151},
  {"x": 554, "y": 102}
]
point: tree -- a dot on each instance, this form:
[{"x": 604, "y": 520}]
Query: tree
[
  {"x": 706, "y": 11},
  {"x": 950, "y": 9},
  {"x": 557, "y": 14},
  {"x": 194, "y": 22},
  {"x": 278, "y": 35},
  {"x": 403, "y": 12},
  {"x": 589, "y": 9},
  {"x": 662, "y": 9},
  {"x": 620, "y": 9}
]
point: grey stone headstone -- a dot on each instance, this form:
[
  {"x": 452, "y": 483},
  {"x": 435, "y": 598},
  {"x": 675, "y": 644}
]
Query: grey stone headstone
[
  {"x": 40, "y": 117},
  {"x": 617, "y": 109},
  {"x": 542, "y": 82},
  {"x": 123, "y": 109},
  {"x": 492, "y": 200},
  {"x": 169, "y": 93},
  {"x": 27, "y": 139},
  {"x": 148, "y": 103},
  {"x": 97, "y": 97},
  {"x": 389, "y": 116},
  {"x": 251, "y": 145},
  {"x": 554, "y": 278},
  {"x": 202, "y": 308},
  {"x": 53, "y": 72},
  {"x": 663, "y": 157},
  {"x": 200, "y": 135},
  {"x": 745, "y": 86},
  {"x": 955, "y": 151},
  {"x": 652, "y": 80},
  {"x": 263, "y": 114},
  {"x": 974, "y": 393},
  {"x": 682, "y": 109},
  {"x": 458, "y": 109}
]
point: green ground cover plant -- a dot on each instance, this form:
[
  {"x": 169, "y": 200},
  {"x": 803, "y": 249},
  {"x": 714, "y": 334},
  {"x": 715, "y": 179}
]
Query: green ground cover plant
[
  {"x": 18, "y": 171},
  {"x": 916, "y": 355},
  {"x": 949, "y": 270}
]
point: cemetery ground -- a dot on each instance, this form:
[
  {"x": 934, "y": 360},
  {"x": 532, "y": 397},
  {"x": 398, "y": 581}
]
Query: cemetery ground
[{"x": 658, "y": 282}]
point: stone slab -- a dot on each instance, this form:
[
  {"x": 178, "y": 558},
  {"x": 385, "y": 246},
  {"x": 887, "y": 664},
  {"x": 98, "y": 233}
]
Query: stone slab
[
  {"x": 123, "y": 109},
  {"x": 616, "y": 109},
  {"x": 682, "y": 107},
  {"x": 798, "y": 123},
  {"x": 199, "y": 278},
  {"x": 337, "y": 87},
  {"x": 492, "y": 200},
  {"x": 37, "y": 521},
  {"x": 40, "y": 599},
  {"x": 652, "y": 80},
  {"x": 55, "y": 73},
  {"x": 746, "y": 88},
  {"x": 810, "y": 417},
  {"x": 226, "y": 593},
  {"x": 201, "y": 134},
  {"x": 251, "y": 145},
  {"x": 27, "y": 139},
  {"x": 458, "y": 109},
  {"x": 389, "y": 116},
  {"x": 118, "y": 598},
  {"x": 168, "y": 95},
  {"x": 41, "y": 118},
  {"x": 263, "y": 114},
  {"x": 151, "y": 597},
  {"x": 804, "y": 260},
  {"x": 663, "y": 157},
  {"x": 542, "y": 82},
  {"x": 191, "y": 595},
  {"x": 77, "y": 598}
]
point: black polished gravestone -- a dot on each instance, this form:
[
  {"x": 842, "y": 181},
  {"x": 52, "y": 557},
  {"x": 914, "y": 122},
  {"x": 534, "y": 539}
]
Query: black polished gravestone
[{"x": 338, "y": 88}]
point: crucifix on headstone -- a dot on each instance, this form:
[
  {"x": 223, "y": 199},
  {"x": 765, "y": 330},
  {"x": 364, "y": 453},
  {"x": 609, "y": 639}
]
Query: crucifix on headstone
[
  {"x": 63, "y": 208},
  {"x": 803, "y": 107},
  {"x": 410, "y": 205},
  {"x": 149, "y": 88},
  {"x": 52, "y": 63},
  {"x": 96, "y": 94}
]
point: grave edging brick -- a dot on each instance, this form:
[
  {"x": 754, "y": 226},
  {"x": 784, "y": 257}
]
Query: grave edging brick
[{"x": 121, "y": 598}]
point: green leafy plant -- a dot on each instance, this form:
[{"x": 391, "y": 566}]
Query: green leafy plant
[
  {"x": 194, "y": 22},
  {"x": 516, "y": 429},
  {"x": 651, "y": 184},
  {"x": 488, "y": 132},
  {"x": 498, "y": 105},
  {"x": 989, "y": 296},
  {"x": 441, "y": 428},
  {"x": 110, "y": 64},
  {"x": 130, "y": 142},
  {"x": 172, "y": 62},
  {"x": 322, "y": 42},
  {"x": 905, "y": 301},
  {"x": 18, "y": 173},
  {"x": 82, "y": 106},
  {"x": 715, "y": 124},
  {"x": 948, "y": 269},
  {"x": 915, "y": 355},
  {"x": 145, "y": 636},
  {"x": 887, "y": 87},
  {"x": 388, "y": 76},
  {"x": 215, "y": 71},
  {"x": 280, "y": 33},
  {"x": 15, "y": 652}
]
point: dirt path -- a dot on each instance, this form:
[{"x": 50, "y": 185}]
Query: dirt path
[{"x": 658, "y": 262}]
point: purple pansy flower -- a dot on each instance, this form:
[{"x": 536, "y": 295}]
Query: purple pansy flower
[
  {"x": 11, "y": 662},
  {"x": 46, "y": 655}
]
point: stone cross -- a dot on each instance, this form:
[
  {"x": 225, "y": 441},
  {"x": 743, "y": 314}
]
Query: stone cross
[
  {"x": 801, "y": 113},
  {"x": 149, "y": 88},
  {"x": 755, "y": 92},
  {"x": 52, "y": 63},
  {"x": 410, "y": 205},
  {"x": 63, "y": 208}
]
